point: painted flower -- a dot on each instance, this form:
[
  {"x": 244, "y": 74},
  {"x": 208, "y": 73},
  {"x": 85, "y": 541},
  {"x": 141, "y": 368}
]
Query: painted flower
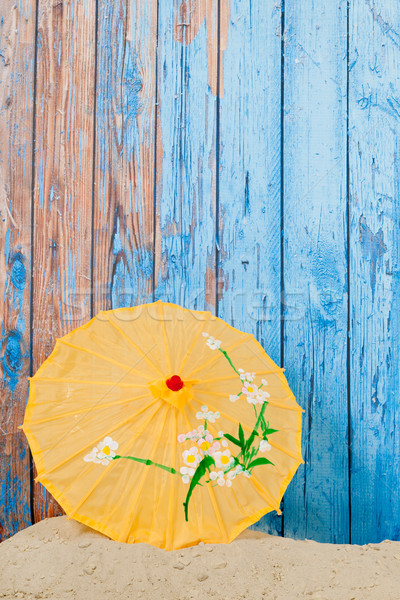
[
  {"x": 233, "y": 397},
  {"x": 220, "y": 479},
  {"x": 103, "y": 453},
  {"x": 223, "y": 459},
  {"x": 234, "y": 472},
  {"x": 249, "y": 388},
  {"x": 262, "y": 396},
  {"x": 181, "y": 437},
  {"x": 264, "y": 446},
  {"x": 246, "y": 376},
  {"x": 213, "y": 343},
  {"x": 92, "y": 456},
  {"x": 254, "y": 394},
  {"x": 207, "y": 414},
  {"x": 191, "y": 457},
  {"x": 106, "y": 448},
  {"x": 264, "y": 381},
  {"x": 187, "y": 473},
  {"x": 205, "y": 443}
]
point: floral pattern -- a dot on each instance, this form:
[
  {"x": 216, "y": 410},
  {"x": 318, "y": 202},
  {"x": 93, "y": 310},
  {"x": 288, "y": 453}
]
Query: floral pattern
[
  {"x": 220, "y": 459},
  {"x": 103, "y": 453}
]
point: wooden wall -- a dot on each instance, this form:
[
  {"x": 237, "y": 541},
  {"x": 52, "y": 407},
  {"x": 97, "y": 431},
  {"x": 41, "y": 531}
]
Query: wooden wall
[{"x": 237, "y": 155}]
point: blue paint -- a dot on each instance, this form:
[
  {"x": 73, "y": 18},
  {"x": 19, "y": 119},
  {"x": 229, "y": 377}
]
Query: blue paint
[
  {"x": 318, "y": 269},
  {"x": 18, "y": 271},
  {"x": 315, "y": 281},
  {"x": 12, "y": 358},
  {"x": 374, "y": 270},
  {"x": 373, "y": 249}
]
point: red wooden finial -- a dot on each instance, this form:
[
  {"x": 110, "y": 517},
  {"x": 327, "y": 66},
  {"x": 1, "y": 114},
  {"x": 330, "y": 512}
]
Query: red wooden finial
[{"x": 174, "y": 383}]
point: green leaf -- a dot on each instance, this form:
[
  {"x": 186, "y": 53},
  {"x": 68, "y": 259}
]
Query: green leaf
[
  {"x": 201, "y": 470},
  {"x": 232, "y": 439},
  {"x": 251, "y": 440},
  {"x": 241, "y": 436},
  {"x": 269, "y": 431},
  {"x": 259, "y": 461}
]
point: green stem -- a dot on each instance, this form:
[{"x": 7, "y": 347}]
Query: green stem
[
  {"x": 147, "y": 462},
  {"x": 261, "y": 415},
  {"x": 229, "y": 361}
]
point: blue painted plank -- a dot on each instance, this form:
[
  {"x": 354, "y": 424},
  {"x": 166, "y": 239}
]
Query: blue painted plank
[
  {"x": 17, "y": 44},
  {"x": 315, "y": 264},
  {"x": 125, "y": 137},
  {"x": 185, "y": 236},
  {"x": 62, "y": 181},
  {"x": 250, "y": 176},
  {"x": 374, "y": 133}
]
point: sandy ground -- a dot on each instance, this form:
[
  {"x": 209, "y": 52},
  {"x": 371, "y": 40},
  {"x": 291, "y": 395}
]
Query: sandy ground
[{"x": 62, "y": 559}]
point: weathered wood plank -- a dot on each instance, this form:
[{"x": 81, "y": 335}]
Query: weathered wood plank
[
  {"x": 63, "y": 179},
  {"x": 315, "y": 264},
  {"x": 250, "y": 178},
  {"x": 186, "y": 142},
  {"x": 374, "y": 133},
  {"x": 17, "y": 53},
  {"x": 125, "y": 138}
]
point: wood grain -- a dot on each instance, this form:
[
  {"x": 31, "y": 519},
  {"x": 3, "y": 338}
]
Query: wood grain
[
  {"x": 190, "y": 16},
  {"x": 315, "y": 264},
  {"x": 185, "y": 242},
  {"x": 17, "y": 43},
  {"x": 63, "y": 180},
  {"x": 374, "y": 128},
  {"x": 125, "y": 153},
  {"x": 250, "y": 176}
]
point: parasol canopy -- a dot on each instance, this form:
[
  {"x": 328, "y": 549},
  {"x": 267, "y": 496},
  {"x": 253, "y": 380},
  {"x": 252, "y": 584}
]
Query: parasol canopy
[{"x": 163, "y": 425}]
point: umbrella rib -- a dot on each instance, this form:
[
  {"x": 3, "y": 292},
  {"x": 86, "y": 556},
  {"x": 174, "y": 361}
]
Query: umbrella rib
[
  {"x": 214, "y": 503},
  {"x": 291, "y": 454},
  {"x": 164, "y": 461},
  {"x": 139, "y": 487},
  {"x": 165, "y": 337},
  {"x": 88, "y": 409},
  {"x": 183, "y": 413},
  {"x": 171, "y": 508},
  {"x": 138, "y": 350},
  {"x": 218, "y": 354},
  {"x": 107, "y": 469},
  {"x": 98, "y": 439},
  {"x": 269, "y": 401},
  {"x": 189, "y": 352},
  {"x": 229, "y": 377},
  {"x": 86, "y": 382},
  {"x": 138, "y": 432},
  {"x": 98, "y": 355},
  {"x": 265, "y": 493}
]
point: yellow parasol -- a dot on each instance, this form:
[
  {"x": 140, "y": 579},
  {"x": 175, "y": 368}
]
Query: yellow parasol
[{"x": 163, "y": 425}]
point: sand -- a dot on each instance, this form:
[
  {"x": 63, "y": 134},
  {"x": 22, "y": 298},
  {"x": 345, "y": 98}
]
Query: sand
[{"x": 64, "y": 560}]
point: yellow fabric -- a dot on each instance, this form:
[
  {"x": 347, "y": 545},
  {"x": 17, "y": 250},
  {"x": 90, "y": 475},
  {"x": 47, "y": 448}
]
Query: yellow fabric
[
  {"x": 178, "y": 399},
  {"x": 107, "y": 378}
]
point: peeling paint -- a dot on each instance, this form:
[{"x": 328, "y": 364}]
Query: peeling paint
[
  {"x": 190, "y": 17},
  {"x": 373, "y": 249}
]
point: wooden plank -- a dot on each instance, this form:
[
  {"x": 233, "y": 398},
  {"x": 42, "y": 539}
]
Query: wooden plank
[
  {"x": 250, "y": 178},
  {"x": 315, "y": 264},
  {"x": 125, "y": 146},
  {"x": 186, "y": 139},
  {"x": 63, "y": 179},
  {"x": 17, "y": 54},
  {"x": 374, "y": 129}
]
